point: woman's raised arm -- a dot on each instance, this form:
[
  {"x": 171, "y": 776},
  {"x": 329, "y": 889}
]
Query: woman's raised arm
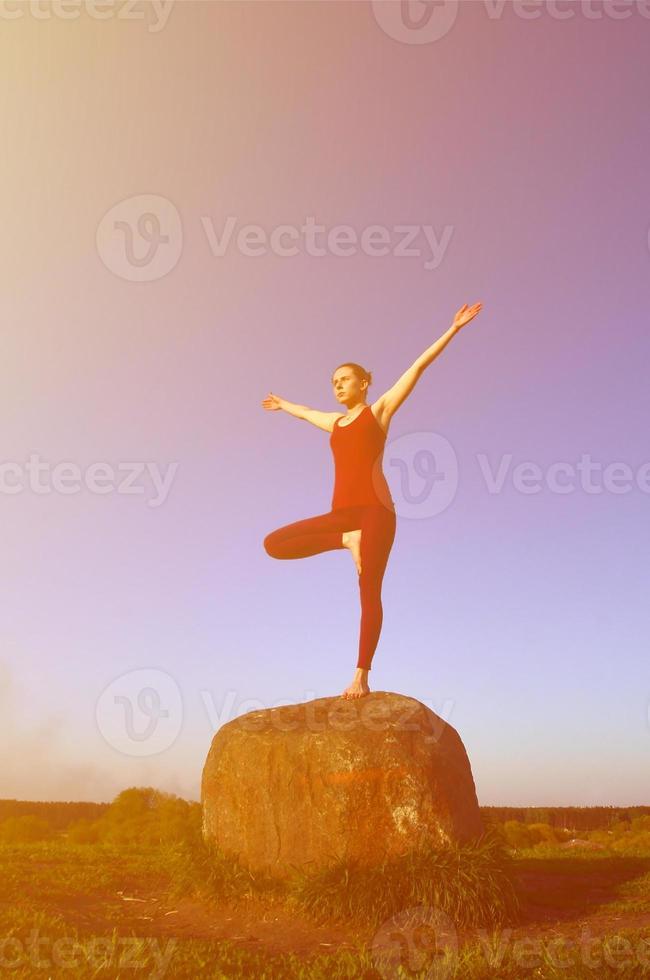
[{"x": 390, "y": 401}]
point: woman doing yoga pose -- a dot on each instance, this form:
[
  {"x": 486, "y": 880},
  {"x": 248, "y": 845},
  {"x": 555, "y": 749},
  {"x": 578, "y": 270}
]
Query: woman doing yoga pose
[{"x": 362, "y": 516}]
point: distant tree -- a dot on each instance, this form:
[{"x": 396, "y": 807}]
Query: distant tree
[
  {"x": 85, "y": 831},
  {"x": 517, "y": 834},
  {"x": 640, "y": 825},
  {"x": 542, "y": 832},
  {"x": 28, "y": 828},
  {"x": 134, "y": 802},
  {"x": 141, "y": 815}
]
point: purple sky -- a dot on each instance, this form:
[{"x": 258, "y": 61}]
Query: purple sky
[{"x": 521, "y": 617}]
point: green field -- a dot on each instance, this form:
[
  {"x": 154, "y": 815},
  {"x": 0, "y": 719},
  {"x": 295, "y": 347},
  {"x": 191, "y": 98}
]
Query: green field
[{"x": 135, "y": 893}]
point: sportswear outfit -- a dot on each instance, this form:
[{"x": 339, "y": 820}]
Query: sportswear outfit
[{"x": 361, "y": 499}]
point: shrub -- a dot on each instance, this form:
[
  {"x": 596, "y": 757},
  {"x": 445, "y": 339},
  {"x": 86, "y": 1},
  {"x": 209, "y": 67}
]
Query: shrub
[
  {"x": 542, "y": 833},
  {"x": 26, "y": 828},
  {"x": 139, "y": 816},
  {"x": 84, "y": 832},
  {"x": 517, "y": 834}
]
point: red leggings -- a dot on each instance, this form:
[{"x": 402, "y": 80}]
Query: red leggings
[{"x": 323, "y": 533}]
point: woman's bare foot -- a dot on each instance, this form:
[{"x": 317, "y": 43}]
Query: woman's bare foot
[
  {"x": 352, "y": 541},
  {"x": 359, "y": 686}
]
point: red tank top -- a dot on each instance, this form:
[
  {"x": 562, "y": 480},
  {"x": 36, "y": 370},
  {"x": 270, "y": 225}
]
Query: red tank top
[{"x": 358, "y": 450}]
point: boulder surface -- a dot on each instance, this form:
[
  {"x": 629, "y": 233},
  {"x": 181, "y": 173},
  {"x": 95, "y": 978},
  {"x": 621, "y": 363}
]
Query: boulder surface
[{"x": 306, "y": 784}]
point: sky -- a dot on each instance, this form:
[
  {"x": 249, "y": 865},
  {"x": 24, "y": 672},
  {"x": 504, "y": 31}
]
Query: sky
[{"x": 207, "y": 201}]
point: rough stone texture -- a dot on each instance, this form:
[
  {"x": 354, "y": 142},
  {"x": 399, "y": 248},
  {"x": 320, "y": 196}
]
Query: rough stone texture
[{"x": 307, "y": 783}]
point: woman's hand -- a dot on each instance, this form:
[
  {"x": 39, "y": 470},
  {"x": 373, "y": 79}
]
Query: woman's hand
[
  {"x": 465, "y": 314},
  {"x": 272, "y": 403}
]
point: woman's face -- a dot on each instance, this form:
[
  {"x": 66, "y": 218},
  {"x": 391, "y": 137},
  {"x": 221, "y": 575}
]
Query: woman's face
[{"x": 347, "y": 387}]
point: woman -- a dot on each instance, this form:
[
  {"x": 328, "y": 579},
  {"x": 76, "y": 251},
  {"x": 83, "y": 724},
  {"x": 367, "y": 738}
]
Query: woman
[{"x": 362, "y": 516}]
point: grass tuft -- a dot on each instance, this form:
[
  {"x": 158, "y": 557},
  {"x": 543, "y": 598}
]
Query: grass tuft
[{"x": 472, "y": 883}]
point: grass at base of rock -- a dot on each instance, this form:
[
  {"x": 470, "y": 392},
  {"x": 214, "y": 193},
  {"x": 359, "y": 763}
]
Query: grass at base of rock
[{"x": 471, "y": 883}]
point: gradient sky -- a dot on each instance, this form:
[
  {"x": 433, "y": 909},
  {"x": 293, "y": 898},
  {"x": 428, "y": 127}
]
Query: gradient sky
[{"x": 520, "y": 617}]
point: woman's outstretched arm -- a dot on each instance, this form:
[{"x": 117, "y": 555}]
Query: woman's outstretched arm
[
  {"x": 390, "y": 401},
  {"x": 322, "y": 420}
]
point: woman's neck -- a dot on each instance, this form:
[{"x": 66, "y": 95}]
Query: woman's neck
[{"x": 359, "y": 405}]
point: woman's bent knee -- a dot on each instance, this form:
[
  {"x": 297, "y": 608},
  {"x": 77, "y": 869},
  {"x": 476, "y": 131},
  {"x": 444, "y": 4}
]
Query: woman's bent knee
[{"x": 269, "y": 544}]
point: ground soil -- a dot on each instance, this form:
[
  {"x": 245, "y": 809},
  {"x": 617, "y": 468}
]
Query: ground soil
[{"x": 555, "y": 903}]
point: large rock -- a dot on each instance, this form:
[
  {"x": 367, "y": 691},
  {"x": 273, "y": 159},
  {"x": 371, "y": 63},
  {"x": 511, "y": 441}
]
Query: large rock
[{"x": 307, "y": 783}]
